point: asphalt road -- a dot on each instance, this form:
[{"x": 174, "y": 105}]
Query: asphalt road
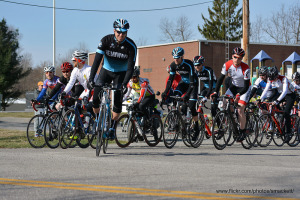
[{"x": 141, "y": 172}]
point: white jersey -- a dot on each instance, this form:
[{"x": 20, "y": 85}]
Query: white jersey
[
  {"x": 260, "y": 84},
  {"x": 297, "y": 87},
  {"x": 82, "y": 75},
  {"x": 282, "y": 84},
  {"x": 238, "y": 74}
]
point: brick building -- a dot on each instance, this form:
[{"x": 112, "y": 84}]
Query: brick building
[{"x": 154, "y": 59}]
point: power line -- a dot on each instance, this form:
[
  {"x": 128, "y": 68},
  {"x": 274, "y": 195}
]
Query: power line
[{"x": 108, "y": 11}]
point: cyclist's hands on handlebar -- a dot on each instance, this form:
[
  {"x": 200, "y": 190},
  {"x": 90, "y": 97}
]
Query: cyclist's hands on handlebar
[{"x": 91, "y": 85}]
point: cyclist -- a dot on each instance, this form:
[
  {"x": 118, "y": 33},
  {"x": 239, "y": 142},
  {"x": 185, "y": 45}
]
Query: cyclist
[
  {"x": 286, "y": 91},
  {"x": 296, "y": 82},
  {"x": 175, "y": 83},
  {"x": 119, "y": 55},
  {"x": 188, "y": 84},
  {"x": 261, "y": 83},
  {"x": 240, "y": 74},
  {"x": 207, "y": 76},
  {"x": 80, "y": 73},
  {"x": 50, "y": 82}
]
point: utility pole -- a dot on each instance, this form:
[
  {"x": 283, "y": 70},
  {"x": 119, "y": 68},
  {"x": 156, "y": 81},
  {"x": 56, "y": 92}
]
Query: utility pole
[
  {"x": 245, "y": 42},
  {"x": 53, "y": 62}
]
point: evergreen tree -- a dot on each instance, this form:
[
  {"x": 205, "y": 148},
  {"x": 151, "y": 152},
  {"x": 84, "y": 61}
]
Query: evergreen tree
[
  {"x": 11, "y": 71},
  {"x": 215, "y": 27}
]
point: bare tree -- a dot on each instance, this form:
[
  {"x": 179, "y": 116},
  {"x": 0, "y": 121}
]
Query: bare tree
[
  {"x": 284, "y": 25},
  {"x": 257, "y": 33},
  {"x": 141, "y": 41},
  {"x": 171, "y": 32}
]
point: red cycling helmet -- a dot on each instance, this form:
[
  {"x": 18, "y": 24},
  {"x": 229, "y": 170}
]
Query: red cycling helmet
[
  {"x": 238, "y": 51},
  {"x": 66, "y": 66}
]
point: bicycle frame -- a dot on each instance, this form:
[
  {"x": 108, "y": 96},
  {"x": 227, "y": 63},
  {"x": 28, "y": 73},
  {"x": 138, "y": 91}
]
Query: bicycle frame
[
  {"x": 200, "y": 110},
  {"x": 272, "y": 110}
]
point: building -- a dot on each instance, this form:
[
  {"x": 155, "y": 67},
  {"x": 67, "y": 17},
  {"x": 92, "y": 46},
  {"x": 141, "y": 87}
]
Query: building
[{"x": 154, "y": 59}]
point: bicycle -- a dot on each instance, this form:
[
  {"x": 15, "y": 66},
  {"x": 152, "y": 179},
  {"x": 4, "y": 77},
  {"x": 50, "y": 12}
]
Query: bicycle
[
  {"x": 136, "y": 126},
  {"x": 176, "y": 125},
  {"x": 272, "y": 128},
  {"x": 74, "y": 128},
  {"x": 226, "y": 126},
  {"x": 36, "y": 124}
]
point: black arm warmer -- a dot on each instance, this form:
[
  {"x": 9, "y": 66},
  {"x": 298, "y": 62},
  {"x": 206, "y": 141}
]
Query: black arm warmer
[
  {"x": 96, "y": 63},
  {"x": 169, "y": 83},
  {"x": 219, "y": 83},
  {"x": 55, "y": 90},
  {"x": 253, "y": 91},
  {"x": 246, "y": 87}
]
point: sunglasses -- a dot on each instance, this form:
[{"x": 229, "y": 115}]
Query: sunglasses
[
  {"x": 239, "y": 58},
  {"x": 65, "y": 71},
  {"x": 120, "y": 32}
]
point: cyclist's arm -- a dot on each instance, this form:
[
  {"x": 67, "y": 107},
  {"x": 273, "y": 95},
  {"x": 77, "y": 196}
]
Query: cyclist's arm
[
  {"x": 285, "y": 88},
  {"x": 211, "y": 82},
  {"x": 169, "y": 82},
  {"x": 127, "y": 93},
  {"x": 253, "y": 92},
  {"x": 95, "y": 66},
  {"x": 42, "y": 94},
  {"x": 71, "y": 81},
  {"x": 263, "y": 95},
  {"x": 246, "y": 87},
  {"x": 55, "y": 90},
  {"x": 144, "y": 87},
  {"x": 219, "y": 83}
]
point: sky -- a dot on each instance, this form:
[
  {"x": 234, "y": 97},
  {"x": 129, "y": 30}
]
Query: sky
[{"x": 35, "y": 24}]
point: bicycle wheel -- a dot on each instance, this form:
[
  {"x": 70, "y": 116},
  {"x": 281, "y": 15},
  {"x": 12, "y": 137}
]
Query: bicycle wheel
[
  {"x": 107, "y": 123},
  {"x": 251, "y": 131},
  {"x": 196, "y": 139},
  {"x": 51, "y": 130},
  {"x": 100, "y": 130},
  {"x": 265, "y": 132},
  {"x": 171, "y": 129},
  {"x": 279, "y": 138},
  {"x": 82, "y": 140},
  {"x": 295, "y": 131},
  {"x": 92, "y": 136},
  {"x": 125, "y": 130},
  {"x": 153, "y": 130},
  {"x": 221, "y": 132},
  {"x": 34, "y": 131},
  {"x": 67, "y": 129}
]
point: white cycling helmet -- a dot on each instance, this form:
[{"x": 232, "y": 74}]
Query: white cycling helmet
[
  {"x": 80, "y": 55},
  {"x": 49, "y": 69}
]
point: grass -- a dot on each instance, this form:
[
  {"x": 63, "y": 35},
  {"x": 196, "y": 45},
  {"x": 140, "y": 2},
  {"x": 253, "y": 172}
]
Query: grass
[
  {"x": 17, "y": 114},
  {"x": 13, "y": 139}
]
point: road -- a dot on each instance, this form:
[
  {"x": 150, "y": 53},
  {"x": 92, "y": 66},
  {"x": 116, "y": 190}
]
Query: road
[{"x": 141, "y": 172}]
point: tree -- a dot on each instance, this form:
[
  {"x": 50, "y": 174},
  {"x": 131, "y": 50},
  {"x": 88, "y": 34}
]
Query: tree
[
  {"x": 284, "y": 25},
  {"x": 223, "y": 21},
  {"x": 11, "y": 70},
  {"x": 175, "y": 32}
]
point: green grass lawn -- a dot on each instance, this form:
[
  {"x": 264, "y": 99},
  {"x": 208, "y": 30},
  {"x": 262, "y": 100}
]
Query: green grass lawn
[
  {"x": 17, "y": 114},
  {"x": 13, "y": 139}
]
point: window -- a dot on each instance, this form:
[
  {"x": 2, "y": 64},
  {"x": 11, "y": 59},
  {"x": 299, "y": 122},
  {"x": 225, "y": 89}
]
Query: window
[{"x": 147, "y": 70}]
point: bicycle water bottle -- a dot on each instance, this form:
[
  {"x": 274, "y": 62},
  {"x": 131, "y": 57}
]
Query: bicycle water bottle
[
  {"x": 87, "y": 120},
  {"x": 188, "y": 115}
]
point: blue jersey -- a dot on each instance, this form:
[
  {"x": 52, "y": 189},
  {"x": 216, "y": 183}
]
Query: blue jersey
[
  {"x": 117, "y": 56},
  {"x": 206, "y": 75}
]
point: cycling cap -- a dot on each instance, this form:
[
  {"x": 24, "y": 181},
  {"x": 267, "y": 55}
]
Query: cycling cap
[
  {"x": 177, "y": 52},
  {"x": 66, "y": 66},
  {"x": 80, "y": 56},
  {"x": 238, "y": 51},
  {"x": 263, "y": 70},
  {"x": 40, "y": 83},
  {"x": 296, "y": 76},
  {"x": 121, "y": 25},
  {"x": 273, "y": 73},
  {"x": 199, "y": 60},
  {"x": 49, "y": 69},
  {"x": 136, "y": 71}
]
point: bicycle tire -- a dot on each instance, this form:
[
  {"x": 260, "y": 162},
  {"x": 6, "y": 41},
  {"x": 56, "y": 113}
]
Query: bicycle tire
[
  {"x": 153, "y": 131},
  {"x": 92, "y": 137},
  {"x": 67, "y": 130},
  {"x": 39, "y": 141},
  {"x": 294, "y": 141},
  {"x": 171, "y": 129},
  {"x": 264, "y": 137},
  {"x": 107, "y": 122},
  {"x": 278, "y": 138},
  {"x": 100, "y": 131},
  {"x": 194, "y": 138},
  {"x": 125, "y": 131},
  {"x": 221, "y": 133},
  {"x": 51, "y": 130},
  {"x": 82, "y": 139},
  {"x": 251, "y": 131}
]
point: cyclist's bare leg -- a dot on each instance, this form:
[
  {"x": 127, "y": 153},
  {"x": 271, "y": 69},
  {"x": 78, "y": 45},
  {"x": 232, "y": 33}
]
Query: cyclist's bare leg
[
  {"x": 242, "y": 116},
  {"x": 96, "y": 111}
]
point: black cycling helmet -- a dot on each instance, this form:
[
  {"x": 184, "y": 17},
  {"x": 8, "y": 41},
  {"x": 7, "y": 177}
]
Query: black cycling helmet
[
  {"x": 136, "y": 71},
  {"x": 238, "y": 51},
  {"x": 273, "y": 73},
  {"x": 177, "y": 52},
  {"x": 198, "y": 60},
  {"x": 263, "y": 70},
  {"x": 296, "y": 76},
  {"x": 121, "y": 25}
]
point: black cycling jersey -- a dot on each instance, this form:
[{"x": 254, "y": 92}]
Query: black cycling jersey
[
  {"x": 62, "y": 82},
  {"x": 208, "y": 78},
  {"x": 117, "y": 57}
]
